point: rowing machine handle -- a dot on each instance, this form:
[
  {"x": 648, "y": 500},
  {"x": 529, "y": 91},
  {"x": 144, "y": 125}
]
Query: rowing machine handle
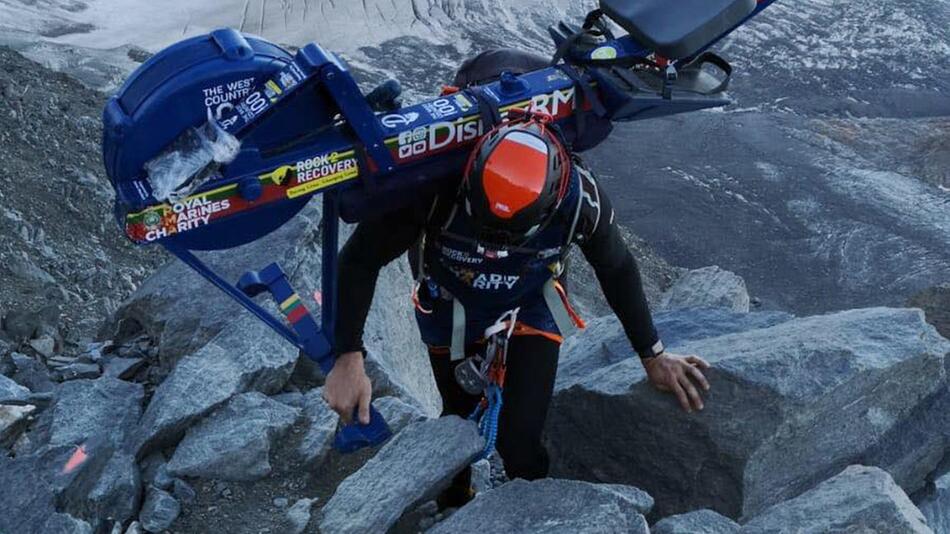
[{"x": 307, "y": 334}]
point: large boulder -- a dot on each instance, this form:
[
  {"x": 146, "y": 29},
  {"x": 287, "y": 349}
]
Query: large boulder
[
  {"x": 708, "y": 287},
  {"x": 234, "y": 442},
  {"x": 11, "y": 392},
  {"x": 698, "y": 522},
  {"x": 935, "y": 302},
  {"x": 859, "y": 499},
  {"x": 53, "y": 479},
  {"x": 106, "y": 495},
  {"x": 413, "y": 467},
  {"x": 552, "y": 506},
  {"x": 84, "y": 409},
  {"x": 183, "y": 312},
  {"x": 789, "y": 406},
  {"x": 936, "y": 505},
  {"x": 244, "y": 357},
  {"x": 25, "y": 486},
  {"x": 31, "y": 373},
  {"x": 603, "y": 342}
]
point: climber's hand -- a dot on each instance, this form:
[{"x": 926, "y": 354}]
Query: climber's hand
[
  {"x": 347, "y": 387},
  {"x": 681, "y": 375}
]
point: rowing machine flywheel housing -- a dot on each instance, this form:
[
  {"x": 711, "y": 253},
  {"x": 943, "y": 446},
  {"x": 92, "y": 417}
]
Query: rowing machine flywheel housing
[{"x": 177, "y": 89}]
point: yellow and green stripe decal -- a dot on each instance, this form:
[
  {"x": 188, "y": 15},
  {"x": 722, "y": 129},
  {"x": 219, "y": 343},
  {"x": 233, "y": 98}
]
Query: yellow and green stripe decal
[{"x": 293, "y": 308}]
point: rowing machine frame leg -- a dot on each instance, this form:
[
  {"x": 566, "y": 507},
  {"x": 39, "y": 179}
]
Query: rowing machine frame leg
[{"x": 314, "y": 340}]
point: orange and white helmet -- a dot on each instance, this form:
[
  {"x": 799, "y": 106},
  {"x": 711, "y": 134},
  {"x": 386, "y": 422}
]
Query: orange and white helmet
[{"x": 515, "y": 179}]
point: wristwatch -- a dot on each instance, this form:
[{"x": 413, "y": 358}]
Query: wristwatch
[{"x": 655, "y": 350}]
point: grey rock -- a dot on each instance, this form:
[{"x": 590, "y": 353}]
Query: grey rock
[
  {"x": 698, "y": 522},
  {"x": 87, "y": 408},
  {"x": 426, "y": 523},
  {"x": 65, "y": 524},
  {"x": 397, "y": 413},
  {"x": 320, "y": 424},
  {"x": 155, "y": 471},
  {"x": 412, "y": 467},
  {"x": 13, "y": 421},
  {"x": 655, "y": 272},
  {"x": 103, "y": 488},
  {"x": 7, "y": 367},
  {"x": 60, "y": 360},
  {"x": 234, "y": 442},
  {"x": 708, "y": 287},
  {"x": 298, "y": 515},
  {"x": 23, "y": 325},
  {"x": 122, "y": 368},
  {"x": 134, "y": 528},
  {"x": 936, "y": 505},
  {"x": 10, "y": 391},
  {"x": 31, "y": 374},
  {"x": 159, "y": 511},
  {"x": 790, "y": 405},
  {"x": 552, "y": 505},
  {"x": 389, "y": 379},
  {"x": 859, "y": 499},
  {"x": 117, "y": 494},
  {"x": 34, "y": 485},
  {"x": 23, "y": 267},
  {"x": 183, "y": 492},
  {"x": 911, "y": 449},
  {"x": 24, "y": 487},
  {"x": 292, "y": 398},
  {"x": 44, "y": 345},
  {"x": 935, "y": 302},
  {"x": 281, "y": 502},
  {"x": 681, "y": 326},
  {"x": 94, "y": 351},
  {"x": 481, "y": 476},
  {"x": 246, "y": 356},
  {"x": 677, "y": 327},
  {"x": 79, "y": 370}
]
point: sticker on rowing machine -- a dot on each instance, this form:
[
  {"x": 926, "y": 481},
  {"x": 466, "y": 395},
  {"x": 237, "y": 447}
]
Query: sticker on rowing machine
[
  {"x": 293, "y": 309},
  {"x": 260, "y": 98},
  {"x": 323, "y": 171},
  {"x": 305, "y": 177},
  {"x": 440, "y": 136}
]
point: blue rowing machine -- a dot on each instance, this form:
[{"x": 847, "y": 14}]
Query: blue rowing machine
[{"x": 218, "y": 140}]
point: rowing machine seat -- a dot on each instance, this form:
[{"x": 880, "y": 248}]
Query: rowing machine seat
[{"x": 677, "y": 29}]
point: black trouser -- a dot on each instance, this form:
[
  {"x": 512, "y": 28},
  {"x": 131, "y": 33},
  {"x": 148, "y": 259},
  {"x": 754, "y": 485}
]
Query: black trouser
[{"x": 529, "y": 383}]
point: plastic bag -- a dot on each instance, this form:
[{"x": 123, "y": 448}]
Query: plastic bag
[{"x": 190, "y": 160}]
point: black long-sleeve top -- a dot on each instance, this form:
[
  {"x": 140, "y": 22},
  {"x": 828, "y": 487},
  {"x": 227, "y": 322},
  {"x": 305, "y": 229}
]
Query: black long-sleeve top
[{"x": 376, "y": 243}]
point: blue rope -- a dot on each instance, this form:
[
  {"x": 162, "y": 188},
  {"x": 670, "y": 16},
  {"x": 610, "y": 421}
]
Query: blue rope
[{"x": 487, "y": 419}]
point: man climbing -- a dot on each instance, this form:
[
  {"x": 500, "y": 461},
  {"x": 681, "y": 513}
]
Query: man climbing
[{"x": 490, "y": 251}]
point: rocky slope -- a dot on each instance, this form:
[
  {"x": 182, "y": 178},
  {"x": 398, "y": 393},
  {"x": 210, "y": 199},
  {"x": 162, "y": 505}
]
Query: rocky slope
[
  {"x": 64, "y": 265},
  {"x": 189, "y": 416},
  {"x": 236, "y": 438}
]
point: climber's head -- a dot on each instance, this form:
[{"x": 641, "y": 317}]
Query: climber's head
[{"x": 515, "y": 180}]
